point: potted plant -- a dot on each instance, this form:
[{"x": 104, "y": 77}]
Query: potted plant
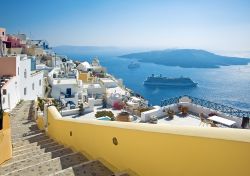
[
  {"x": 81, "y": 109},
  {"x": 123, "y": 117},
  {"x": 170, "y": 113}
]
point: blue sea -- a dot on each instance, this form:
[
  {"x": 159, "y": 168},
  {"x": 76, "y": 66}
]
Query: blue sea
[{"x": 228, "y": 85}]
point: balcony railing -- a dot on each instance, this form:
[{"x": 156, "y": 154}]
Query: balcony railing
[
  {"x": 208, "y": 104},
  {"x": 68, "y": 95}
]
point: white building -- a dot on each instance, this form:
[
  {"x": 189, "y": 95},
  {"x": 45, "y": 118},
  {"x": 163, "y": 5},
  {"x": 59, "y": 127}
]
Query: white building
[
  {"x": 84, "y": 66},
  {"x": 20, "y": 81},
  {"x": 95, "y": 91},
  {"x": 66, "y": 87},
  {"x": 114, "y": 92}
]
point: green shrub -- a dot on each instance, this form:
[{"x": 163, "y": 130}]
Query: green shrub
[
  {"x": 104, "y": 113},
  {"x": 145, "y": 109},
  {"x": 40, "y": 103}
]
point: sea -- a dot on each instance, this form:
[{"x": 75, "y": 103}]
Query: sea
[{"x": 227, "y": 85}]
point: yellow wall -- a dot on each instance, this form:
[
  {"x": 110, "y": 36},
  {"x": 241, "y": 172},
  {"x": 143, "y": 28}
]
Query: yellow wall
[
  {"x": 156, "y": 150},
  {"x": 85, "y": 77},
  {"x": 5, "y": 140},
  {"x": 40, "y": 122}
]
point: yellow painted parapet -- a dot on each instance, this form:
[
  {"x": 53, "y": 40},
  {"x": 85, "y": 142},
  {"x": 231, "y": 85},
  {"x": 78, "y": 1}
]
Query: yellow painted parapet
[
  {"x": 5, "y": 140},
  {"x": 156, "y": 150},
  {"x": 40, "y": 122}
]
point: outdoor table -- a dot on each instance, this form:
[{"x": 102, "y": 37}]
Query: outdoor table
[{"x": 222, "y": 120}]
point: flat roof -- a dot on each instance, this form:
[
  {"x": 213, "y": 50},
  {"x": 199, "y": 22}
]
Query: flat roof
[
  {"x": 64, "y": 81},
  {"x": 106, "y": 80}
]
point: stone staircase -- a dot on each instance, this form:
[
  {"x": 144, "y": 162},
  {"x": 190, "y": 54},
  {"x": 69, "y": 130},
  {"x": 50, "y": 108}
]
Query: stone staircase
[{"x": 34, "y": 153}]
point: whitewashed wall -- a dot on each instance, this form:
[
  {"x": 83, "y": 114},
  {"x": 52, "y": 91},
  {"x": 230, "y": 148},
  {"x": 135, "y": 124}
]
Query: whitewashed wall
[
  {"x": 31, "y": 94},
  {"x": 12, "y": 96}
]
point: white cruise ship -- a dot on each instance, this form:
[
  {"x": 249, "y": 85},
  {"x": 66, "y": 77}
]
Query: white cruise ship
[{"x": 171, "y": 82}]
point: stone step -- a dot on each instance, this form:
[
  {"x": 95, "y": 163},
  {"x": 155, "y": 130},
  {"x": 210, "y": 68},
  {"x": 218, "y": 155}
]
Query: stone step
[
  {"x": 45, "y": 144},
  {"x": 23, "y": 123},
  {"x": 35, "y": 151},
  {"x": 33, "y": 160},
  {"x": 18, "y": 139},
  {"x": 51, "y": 166},
  {"x": 17, "y": 158},
  {"x": 27, "y": 134},
  {"x": 23, "y": 127},
  {"x": 89, "y": 168},
  {"x": 24, "y": 132},
  {"x": 22, "y": 115},
  {"x": 29, "y": 141},
  {"x": 32, "y": 149},
  {"x": 34, "y": 143}
]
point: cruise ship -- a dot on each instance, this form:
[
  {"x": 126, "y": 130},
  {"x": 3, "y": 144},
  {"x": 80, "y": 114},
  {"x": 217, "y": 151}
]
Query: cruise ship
[{"x": 165, "y": 81}]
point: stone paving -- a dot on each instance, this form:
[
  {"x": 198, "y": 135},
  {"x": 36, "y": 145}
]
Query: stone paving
[{"x": 34, "y": 153}]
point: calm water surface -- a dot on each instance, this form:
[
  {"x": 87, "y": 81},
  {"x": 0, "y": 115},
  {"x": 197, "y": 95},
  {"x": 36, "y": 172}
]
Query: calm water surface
[{"x": 227, "y": 85}]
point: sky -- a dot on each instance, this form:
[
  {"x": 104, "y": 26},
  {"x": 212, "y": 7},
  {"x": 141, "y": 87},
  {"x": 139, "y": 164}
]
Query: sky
[{"x": 203, "y": 24}]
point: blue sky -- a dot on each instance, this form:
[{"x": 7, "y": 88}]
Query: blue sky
[{"x": 205, "y": 24}]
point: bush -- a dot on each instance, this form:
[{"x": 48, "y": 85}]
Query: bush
[
  {"x": 118, "y": 105},
  {"x": 145, "y": 109},
  {"x": 40, "y": 103},
  {"x": 104, "y": 113},
  {"x": 57, "y": 104}
]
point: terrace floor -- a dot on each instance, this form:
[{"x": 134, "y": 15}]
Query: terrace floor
[
  {"x": 91, "y": 115},
  {"x": 188, "y": 120}
]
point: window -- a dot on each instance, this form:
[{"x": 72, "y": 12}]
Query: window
[
  {"x": 4, "y": 91},
  {"x": 33, "y": 86},
  {"x": 3, "y": 33},
  {"x": 3, "y": 100},
  {"x": 40, "y": 82},
  {"x": 18, "y": 70},
  {"x": 25, "y": 91},
  {"x": 25, "y": 73}
]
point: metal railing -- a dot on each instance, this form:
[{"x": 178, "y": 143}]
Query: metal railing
[{"x": 208, "y": 104}]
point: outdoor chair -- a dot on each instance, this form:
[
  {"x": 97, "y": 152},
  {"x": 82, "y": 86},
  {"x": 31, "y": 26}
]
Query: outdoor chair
[
  {"x": 212, "y": 124},
  {"x": 204, "y": 120}
]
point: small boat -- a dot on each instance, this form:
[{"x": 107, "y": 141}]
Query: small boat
[{"x": 133, "y": 65}]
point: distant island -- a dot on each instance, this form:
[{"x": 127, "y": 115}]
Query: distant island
[{"x": 187, "y": 58}]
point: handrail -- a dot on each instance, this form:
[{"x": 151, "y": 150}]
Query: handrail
[{"x": 208, "y": 104}]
